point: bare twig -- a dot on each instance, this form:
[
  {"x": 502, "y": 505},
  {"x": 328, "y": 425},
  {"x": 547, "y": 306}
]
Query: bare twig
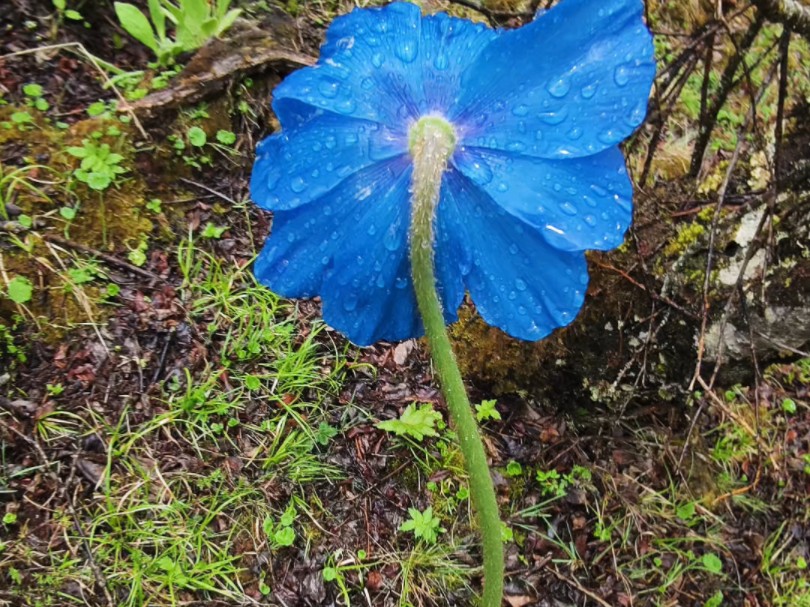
[
  {"x": 721, "y": 197},
  {"x": 726, "y": 85},
  {"x": 202, "y": 186},
  {"x": 652, "y": 294},
  {"x": 110, "y": 259}
]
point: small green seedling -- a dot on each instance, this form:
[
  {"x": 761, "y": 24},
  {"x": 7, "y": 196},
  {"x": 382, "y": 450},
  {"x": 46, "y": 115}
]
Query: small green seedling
[
  {"x": 212, "y": 231},
  {"x": 33, "y": 93},
  {"x": 99, "y": 164},
  {"x": 424, "y": 525},
  {"x": 486, "y": 410},
  {"x": 281, "y": 534},
  {"x": 415, "y": 422}
]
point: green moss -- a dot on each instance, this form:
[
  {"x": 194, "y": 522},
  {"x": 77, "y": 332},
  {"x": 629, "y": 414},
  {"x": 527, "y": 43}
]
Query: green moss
[
  {"x": 688, "y": 234},
  {"x": 112, "y": 221}
]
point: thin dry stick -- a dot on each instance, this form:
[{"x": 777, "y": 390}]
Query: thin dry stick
[
  {"x": 209, "y": 190},
  {"x": 727, "y": 81},
  {"x": 721, "y": 197},
  {"x": 109, "y": 259}
]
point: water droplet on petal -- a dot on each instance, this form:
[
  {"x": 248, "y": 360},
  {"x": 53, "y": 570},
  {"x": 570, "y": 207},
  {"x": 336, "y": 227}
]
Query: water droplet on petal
[
  {"x": 520, "y": 110},
  {"x": 599, "y": 190},
  {"x": 401, "y": 282},
  {"x": 502, "y": 187},
  {"x": 475, "y": 168},
  {"x": 575, "y": 133},
  {"x": 559, "y": 88},
  {"x": 609, "y": 137},
  {"x": 406, "y": 50},
  {"x": 637, "y": 114},
  {"x": 553, "y": 118},
  {"x": 273, "y": 175},
  {"x": 298, "y": 185},
  {"x": 377, "y": 59},
  {"x": 345, "y": 106},
  {"x": 390, "y": 240},
  {"x": 520, "y": 285},
  {"x": 621, "y": 75},
  {"x": 328, "y": 87},
  {"x": 590, "y": 220},
  {"x": 350, "y": 303},
  {"x": 441, "y": 62},
  {"x": 372, "y": 230},
  {"x": 367, "y": 84},
  {"x": 588, "y": 91},
  {"x": 568, "y": 208},
  {"x": 513, "y": 249}
]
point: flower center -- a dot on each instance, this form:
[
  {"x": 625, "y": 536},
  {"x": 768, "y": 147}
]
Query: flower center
[{"x": 433, "y": 139}]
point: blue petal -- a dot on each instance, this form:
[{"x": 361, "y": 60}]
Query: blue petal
[
  {"x": 368, "y": 295},
  {"x": 388, "y": 65},
  {"x": 300, "y": 164},
  {"x": 572, "y": 83},
  {"x": 448, "y": 47},
  {"x": 301, "y": 249},
  {"x": 577, "y": 203},
  {"x": 452, "y": 255},
  {"x": 517, "y": 281}
]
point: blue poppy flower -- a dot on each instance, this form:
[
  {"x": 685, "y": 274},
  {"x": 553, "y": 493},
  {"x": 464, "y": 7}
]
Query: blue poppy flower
[{"x": 535, "y": 180}]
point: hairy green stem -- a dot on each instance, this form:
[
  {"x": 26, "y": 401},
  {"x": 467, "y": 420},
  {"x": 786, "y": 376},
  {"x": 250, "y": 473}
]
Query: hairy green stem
[{"x": 432, "y": 141}]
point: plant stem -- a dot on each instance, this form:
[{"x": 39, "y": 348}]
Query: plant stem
[{"x": 432, "y": 144}]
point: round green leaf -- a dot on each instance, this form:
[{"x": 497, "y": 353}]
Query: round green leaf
[
  {"x": 226, "y": 137},
  {"x": 32, "y": 90},
  {"x": 20, "y": 289},
  {"x": 197, "y": 136}
]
